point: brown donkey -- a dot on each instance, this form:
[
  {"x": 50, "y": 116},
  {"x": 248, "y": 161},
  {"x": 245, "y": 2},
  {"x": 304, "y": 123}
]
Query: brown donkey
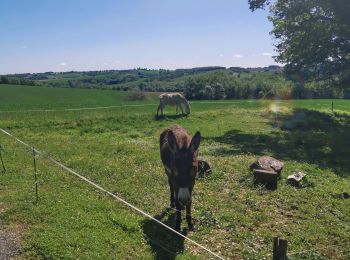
[{"x": 179, "y": 153}]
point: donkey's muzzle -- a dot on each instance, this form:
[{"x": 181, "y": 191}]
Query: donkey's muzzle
[{"x": 184, "y": 196}]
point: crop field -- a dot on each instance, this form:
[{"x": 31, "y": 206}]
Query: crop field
[{"x": 117, "y": 146}]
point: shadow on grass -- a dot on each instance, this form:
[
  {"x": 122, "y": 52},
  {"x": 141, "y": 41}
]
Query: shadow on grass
[
  {"x": 305, "y": 136},
  {"x": 165, "y": 117},
  {"x": 165, "y": 243}
]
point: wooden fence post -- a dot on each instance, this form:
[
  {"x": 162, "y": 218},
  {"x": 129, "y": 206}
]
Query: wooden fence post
[
  {"x": 35, "y": 175},
  {"x": 279, "y": 249},
  {"x": 332, "y": 106},
  {"x": 275, "y": 254},
  {"x": 2, "y": 162}
]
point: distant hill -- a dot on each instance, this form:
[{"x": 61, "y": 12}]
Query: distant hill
[
  {"x": 213, "y": 82},
  {"x": 140, "y": 78}
]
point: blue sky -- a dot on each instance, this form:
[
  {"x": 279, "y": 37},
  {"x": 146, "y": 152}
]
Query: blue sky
[{"x": 64, "y": 35}]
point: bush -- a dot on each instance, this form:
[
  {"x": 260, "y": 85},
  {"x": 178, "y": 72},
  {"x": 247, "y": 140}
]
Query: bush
[{"x": 137, "y": 96}]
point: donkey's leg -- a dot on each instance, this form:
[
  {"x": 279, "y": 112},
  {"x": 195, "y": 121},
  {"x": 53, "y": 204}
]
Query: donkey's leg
[
  {"x": 172, "y": 198},
  {"x": 178, "y": 216},
  {"x": 177, "y": 109},
  {"x": 188, "y": 216},
  {"x": 178, "y": 213}
]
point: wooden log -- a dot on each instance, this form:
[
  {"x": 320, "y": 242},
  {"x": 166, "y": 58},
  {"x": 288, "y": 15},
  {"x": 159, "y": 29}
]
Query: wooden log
[
  {"x": 295, "y": 179},
  {"x": 267, "y": 163},
  {"x": 203, "y": 168},
  {"x": 267, "y": 178}
]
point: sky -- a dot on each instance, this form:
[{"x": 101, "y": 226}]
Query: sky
[{"x": 64, "y": 35}]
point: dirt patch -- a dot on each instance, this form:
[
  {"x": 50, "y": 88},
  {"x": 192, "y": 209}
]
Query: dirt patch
[
  {"x": 9, "y": 240},
  {"x": 8, "y": 245}
]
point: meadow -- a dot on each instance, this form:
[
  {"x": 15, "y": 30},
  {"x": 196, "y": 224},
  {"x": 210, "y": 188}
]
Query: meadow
[{"x": 117, "y": 147}]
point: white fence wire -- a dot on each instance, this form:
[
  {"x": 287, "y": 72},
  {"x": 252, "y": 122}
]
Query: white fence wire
[{"x": 110, "y": 194}]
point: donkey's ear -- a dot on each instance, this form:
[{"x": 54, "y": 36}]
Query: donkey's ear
[
  {"x": 196, "y": 140},
  {"x": 172, "y": 141}
]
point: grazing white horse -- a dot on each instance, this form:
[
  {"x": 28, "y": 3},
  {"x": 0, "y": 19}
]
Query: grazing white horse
[{"x": 173, "y": 99}]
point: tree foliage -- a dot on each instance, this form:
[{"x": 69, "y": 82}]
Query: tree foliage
[
  {"x": 198, "y": 83},
  {"x": 312, "y": 37}
]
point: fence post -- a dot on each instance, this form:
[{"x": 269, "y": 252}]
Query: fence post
[
  {"x": 2, "y": 162},
  {"x": 279, "y": 249},
  {"x": 35, "y": 175},
  {"x": 275, "y": 254},
  {"x": 283, "y": 249},
  {"x": 332, "y": 106}
]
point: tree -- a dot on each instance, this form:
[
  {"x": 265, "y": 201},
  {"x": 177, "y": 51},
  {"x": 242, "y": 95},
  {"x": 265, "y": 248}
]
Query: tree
[
  {"x": 142, "y": 86},
  {"x": 312, "y": 37},
  {"x": 219, "y": 91},
  {"x": 4, "y": 80},
  {"x": 209, "y": 92},
  {"x": 71, "y": 84}
]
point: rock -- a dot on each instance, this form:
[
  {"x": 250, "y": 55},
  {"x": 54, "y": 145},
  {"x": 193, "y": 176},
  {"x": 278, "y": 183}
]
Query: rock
[
  {"x": 267, "y": 163},
  {"x": 203, "y": 168},
  {"x": 267, "y": 178},
  {"x": 295, "y": 178}
]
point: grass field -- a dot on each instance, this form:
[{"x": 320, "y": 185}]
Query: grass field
[{"x": 118, "y": 149}]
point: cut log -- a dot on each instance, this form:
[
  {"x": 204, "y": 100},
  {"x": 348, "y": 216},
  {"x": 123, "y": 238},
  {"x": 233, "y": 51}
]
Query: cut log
[
  {"x": 344, "y": 195},
  {"x": 295, "y": 179},
  {"x": 267, "y": 178},
  {"x": 203, "y": 168},
  {"x": 267, "y": 163}
]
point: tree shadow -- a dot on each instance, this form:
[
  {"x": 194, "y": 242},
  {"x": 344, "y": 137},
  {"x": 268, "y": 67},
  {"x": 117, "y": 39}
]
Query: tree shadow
[
  {"x": 165, "y": 243},
  {"x": 305, "y": 136},
  {"x": 166, "y": 117}
]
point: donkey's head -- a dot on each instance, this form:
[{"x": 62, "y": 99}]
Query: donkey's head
[{"x": 184, "y": 165}]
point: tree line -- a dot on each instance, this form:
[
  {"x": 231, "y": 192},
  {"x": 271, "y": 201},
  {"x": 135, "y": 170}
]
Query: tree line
[{"x": 210, "y": 83}]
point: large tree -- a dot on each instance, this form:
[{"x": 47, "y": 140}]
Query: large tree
[{"x": 312, "y": 37}]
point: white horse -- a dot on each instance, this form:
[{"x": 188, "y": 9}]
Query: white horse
[{"x": 173, "y": 99}]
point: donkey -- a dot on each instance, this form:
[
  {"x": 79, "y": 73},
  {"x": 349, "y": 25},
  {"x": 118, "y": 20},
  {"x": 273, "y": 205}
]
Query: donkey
[
  {"x": 173, "y": 99},
  {"x": 179, "y": 154}
]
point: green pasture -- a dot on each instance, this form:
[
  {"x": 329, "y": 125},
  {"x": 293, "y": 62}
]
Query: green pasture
[{"x": 118, "y": 148}]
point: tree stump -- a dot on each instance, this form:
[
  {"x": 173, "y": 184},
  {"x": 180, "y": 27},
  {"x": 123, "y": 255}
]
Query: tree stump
[
  {"x": 267, "y": 163},
  {"x": 203, "y": 168},
  {"x": 267, "y": 178},
  {"x": 295, "y": 179}
]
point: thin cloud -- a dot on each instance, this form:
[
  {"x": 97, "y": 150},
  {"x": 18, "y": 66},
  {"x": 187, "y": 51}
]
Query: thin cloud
[
  {"x": 24, "y": 47},
  {"x": 221, "y": 55},
  {"x": 266, "y": 54},
  {"x": 117, "y": 61},
  {"x": 238, "y": 56},
  {"x": 63, "y": 64}
]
